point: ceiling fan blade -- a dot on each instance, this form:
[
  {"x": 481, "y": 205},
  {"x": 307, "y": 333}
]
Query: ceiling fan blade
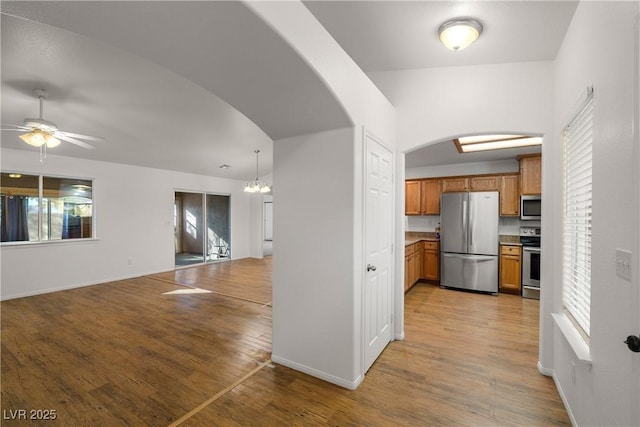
[
  {"x": 18, "y": 128},
  {"x": 74, "y": 141},
  {"x": 80, "y": 136}
]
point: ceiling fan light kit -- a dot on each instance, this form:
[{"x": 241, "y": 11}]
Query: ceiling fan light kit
[
  {"x": 456, "y": 34},
  {"x": 38, "y": 138}
]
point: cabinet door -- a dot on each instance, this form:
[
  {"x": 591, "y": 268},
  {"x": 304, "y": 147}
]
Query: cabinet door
[
  {"x": 509, "y": 195},
  {"x": 430, "y": 192},
  {"x": 531, "y": 175},
  {"x": 510, "y": 270},
  {"x": 455, "y": 184},
  {"x": 431, "y": 265},
  {"x": 484, "y": 183},
  {"x": 412, "y": 197},
  {"x": 407, "y": 272}
]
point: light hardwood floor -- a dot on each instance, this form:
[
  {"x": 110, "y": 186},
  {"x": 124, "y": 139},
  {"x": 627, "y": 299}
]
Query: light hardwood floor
[{"x": 125, "y": 353}]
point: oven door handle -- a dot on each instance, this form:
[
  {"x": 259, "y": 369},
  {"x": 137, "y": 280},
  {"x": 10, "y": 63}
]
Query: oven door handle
[{"x": 530, "y": 249}]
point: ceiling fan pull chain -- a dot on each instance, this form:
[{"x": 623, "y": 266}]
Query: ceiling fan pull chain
[{"x": 43, "y": 152}]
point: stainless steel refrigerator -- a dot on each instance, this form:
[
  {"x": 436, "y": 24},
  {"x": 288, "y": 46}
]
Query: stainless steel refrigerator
[{"x": 469, "y": 240}]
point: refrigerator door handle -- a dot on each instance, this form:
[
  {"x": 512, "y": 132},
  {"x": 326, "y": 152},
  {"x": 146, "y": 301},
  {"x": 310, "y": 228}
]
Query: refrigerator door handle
[
  {"x": 464, "y": 222},
  {"x": 471, "y": 221},
  {"x": 478, "y": 258}
]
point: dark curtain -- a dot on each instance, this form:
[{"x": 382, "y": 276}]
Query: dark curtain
[
  {"x": 71, "y": 227},
  {"x": 14, "y": 225}
]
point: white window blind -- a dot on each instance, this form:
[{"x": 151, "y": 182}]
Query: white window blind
[{"x": 578, "y": 138}]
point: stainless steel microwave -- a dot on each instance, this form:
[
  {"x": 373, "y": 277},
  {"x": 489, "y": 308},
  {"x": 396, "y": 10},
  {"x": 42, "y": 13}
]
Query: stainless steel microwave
[{"x": 530, "y": 208}]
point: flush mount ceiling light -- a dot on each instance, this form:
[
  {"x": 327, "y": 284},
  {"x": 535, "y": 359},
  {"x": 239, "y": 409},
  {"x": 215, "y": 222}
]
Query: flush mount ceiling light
[
  {"x": 469, "y": 144},
  {"x": 257, "y": 186},
  {"x": 456, "y": 34}
]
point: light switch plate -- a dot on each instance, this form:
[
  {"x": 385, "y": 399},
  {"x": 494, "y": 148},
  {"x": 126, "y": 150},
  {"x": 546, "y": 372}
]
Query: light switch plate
[{"x": 623, "y": 263}]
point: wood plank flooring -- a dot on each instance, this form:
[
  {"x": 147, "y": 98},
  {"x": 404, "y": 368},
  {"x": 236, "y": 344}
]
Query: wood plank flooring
[{"x": 124, "y": 353}]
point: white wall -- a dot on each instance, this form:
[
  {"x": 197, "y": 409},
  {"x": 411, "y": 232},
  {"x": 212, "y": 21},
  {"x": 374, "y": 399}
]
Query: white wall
[
  {"x": 598, "y": 50},
  {"x": 313, "y": 273},
  {"x": 477, "y": 168},
  {"x": 133, "y": 208},
  {"x": 439, "y": 103},
  {"x": 318, "y": 261}
]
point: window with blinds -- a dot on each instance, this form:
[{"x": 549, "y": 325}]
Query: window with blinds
[{"x": 578, "y": 137}]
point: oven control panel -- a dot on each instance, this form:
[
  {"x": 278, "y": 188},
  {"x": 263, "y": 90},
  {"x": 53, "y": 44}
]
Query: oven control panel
[{"x": 530, "y": 231}]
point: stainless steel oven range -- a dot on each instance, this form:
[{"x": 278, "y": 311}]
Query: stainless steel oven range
[{"x": 530, "y": 239}]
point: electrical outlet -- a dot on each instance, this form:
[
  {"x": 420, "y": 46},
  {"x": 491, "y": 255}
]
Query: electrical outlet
[{"x": 623, "y": 264}]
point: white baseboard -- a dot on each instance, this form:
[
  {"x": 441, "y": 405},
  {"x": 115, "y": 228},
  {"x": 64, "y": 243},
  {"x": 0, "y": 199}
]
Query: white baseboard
[
  {"x": 572, "y": 418},
  {"x": 351, "y": 385},
  {"x": 79, "y": 285},
  {"x": 544, "y": 371},
  {"x": 551, "y": 373}
]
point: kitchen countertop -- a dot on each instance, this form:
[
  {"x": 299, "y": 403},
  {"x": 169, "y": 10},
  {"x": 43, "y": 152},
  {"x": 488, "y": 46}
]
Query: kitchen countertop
[
  {"x": 411, "y": 237},
  {"x": 506, "y": 239}
]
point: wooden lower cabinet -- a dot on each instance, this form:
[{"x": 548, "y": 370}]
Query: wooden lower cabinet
[
  {"x": 431, "y": 261},
  {"x": 412, "y": 264},
  {"x": 421, "y": 261},
  {"x": 510, "y": 269}
]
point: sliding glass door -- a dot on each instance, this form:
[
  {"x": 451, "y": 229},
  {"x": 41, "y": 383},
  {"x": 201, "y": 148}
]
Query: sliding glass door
[{"x": 202, "y": 227}]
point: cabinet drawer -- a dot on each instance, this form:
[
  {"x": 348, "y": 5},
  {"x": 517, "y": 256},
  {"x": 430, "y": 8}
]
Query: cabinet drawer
[
  {"x": 409, "y": 249},
  {"x": 509, "y": 250},
  {"x": 430, "y": 246}
]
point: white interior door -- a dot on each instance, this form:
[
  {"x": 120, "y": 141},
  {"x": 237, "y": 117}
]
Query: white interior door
[
  {"x": 378, "y": 288},
  {"x": 635, "y": 367},
  {"x": 268, "y": 220}
]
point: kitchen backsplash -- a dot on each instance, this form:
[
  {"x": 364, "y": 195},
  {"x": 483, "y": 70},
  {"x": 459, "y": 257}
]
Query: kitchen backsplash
[{"x": 428, "y": 223}]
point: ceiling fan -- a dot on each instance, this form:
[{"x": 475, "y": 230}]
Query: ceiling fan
[{"x": 44, "y": 134}]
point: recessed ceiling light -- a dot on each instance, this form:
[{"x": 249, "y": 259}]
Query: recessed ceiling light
[
  {"x": 469, "y": 144},
  {"x": 15, "y": 175},
  {"x": 225, "y": 166}
]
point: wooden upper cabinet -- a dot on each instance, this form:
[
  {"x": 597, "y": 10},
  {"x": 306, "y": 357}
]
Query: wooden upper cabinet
[
  {"x": 430, "y": 197},
  {"x": 530, "y": 174},
  {"x": 412, "y": 200},
  {"x": 484, "y": 183},
  {"x": 422, "y": 197},
  {"x": 509, "y": 195},
  {"x": 450, "y": 185}
]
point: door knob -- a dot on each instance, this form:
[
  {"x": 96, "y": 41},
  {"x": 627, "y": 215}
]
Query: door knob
[
  {"x": 633, "y": 342},
  {"x": 371, "y": 267}
]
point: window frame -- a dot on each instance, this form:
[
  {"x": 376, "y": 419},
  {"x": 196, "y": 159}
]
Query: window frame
[
  {"x": 41, "y": 197},
  {"x": 577, "y": 214}
]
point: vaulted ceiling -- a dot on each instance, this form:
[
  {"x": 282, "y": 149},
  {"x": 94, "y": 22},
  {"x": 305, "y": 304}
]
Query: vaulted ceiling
[
  {"x": 193, "y": 85},
  {"x": 175, "y": 85}
]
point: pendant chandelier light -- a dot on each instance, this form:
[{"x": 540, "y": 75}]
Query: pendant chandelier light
[
  {"x": 257, "y": 186},
  {"x": 456, "y": 34}
]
